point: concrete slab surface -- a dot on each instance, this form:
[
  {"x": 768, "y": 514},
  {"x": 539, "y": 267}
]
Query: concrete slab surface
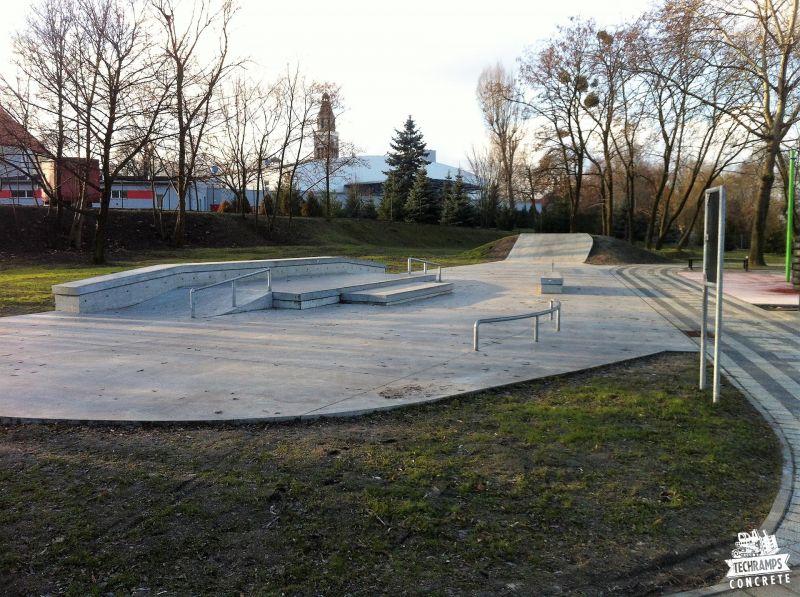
[{"x": 335, "y": 360}]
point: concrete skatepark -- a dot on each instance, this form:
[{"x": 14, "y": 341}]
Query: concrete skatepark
[{"x": 151, "y": 362}]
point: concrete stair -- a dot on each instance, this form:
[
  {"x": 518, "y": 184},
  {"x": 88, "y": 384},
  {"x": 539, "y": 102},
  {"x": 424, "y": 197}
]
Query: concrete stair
[
  {"x": 328, "y": 296},
  {"x": 395, "y": 294}
]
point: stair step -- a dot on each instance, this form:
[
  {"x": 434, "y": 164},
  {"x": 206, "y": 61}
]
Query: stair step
[
  {"x": 402, "y": 294},
  {"x": 409, "y": 281}
]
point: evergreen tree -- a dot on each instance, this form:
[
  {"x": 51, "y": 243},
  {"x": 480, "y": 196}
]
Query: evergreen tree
[
  {"x": 462, "y": 210},
  {"x": 391, "y": 207},
  {"x": 448, "y": 202},
  {"x": 421, "y": 205},
  {"x": 415, "y": 208},
  {"x": 406, "y": 157},
  {"x": 352, "y": 207},
  {"x": 368, "y": 211},
  {"x": 313, "y": 208}
]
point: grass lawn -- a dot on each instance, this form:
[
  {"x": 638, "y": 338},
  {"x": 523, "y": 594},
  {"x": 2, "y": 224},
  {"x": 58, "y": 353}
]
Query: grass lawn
[
  {"x": 26, "y": 287},
  {"x": 625, "y": 480}
]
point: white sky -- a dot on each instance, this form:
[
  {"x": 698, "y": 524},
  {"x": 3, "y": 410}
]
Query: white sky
[{"x": 392, "y": 59}]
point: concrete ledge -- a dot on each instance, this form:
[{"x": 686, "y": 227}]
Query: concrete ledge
[
  {"x": 123, "y": 289},
  {"x": 550, "y": 289},
  {"x": 552, "y": 284}
]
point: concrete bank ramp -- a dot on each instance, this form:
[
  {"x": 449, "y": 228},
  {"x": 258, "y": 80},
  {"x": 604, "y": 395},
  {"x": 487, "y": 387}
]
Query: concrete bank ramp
[{"x": 551, "y": 248}]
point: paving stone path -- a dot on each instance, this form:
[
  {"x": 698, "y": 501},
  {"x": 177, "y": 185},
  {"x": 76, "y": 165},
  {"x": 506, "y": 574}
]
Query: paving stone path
[{"x": 760, "y": 353}]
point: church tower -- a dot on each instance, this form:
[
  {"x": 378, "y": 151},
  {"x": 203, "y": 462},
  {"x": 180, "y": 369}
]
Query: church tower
[{"x": 326, "y": 139}]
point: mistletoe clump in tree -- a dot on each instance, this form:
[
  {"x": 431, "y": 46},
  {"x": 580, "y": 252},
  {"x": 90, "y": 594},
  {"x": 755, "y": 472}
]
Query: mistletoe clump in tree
[{"x": 406, "y": 157}]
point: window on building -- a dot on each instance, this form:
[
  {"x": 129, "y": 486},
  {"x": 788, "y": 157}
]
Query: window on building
[
  {"x": 117, "y": 194},
  {"x": 22, "y": 193}
]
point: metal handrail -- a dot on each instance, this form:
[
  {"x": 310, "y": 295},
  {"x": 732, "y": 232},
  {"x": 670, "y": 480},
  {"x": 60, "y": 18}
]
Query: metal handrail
[
  {"x": 555, "y": 308},
  {"x": 232, "y": 282},
  {"x": 425, "y": 263}
]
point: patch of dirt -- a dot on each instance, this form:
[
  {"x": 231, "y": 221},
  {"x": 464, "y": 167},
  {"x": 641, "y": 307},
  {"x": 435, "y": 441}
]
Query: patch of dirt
[
  {"x": 500, "y": 249},
  {"x": 402, "y": 392},
  {"x": 612, "y": 251}
]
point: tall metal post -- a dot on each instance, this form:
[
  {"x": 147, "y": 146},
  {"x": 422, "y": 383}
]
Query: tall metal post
[
  {"x": 790, "y": 214},
  {"x": 719, "y": 295},
  {"x": 704, "y": 316}
]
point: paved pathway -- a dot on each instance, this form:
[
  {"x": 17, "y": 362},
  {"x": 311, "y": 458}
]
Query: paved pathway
[{"x": 761, "y": 353}]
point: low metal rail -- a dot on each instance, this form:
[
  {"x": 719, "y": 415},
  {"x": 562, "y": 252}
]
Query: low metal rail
[
  {"x": 555, "y": 309},
  {"x": 232, "y": 282},
  {"x": 425, "y": 263}
]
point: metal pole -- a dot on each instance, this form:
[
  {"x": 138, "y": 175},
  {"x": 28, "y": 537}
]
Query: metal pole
[
  {"x": 704, "y": 317},
  {"x": 233, "y": 293},
  {"x": 269, "y": 280},
  {"x": 535, "y": 329},
  {"x": 409, "y": 266},
  {"x": 475, "y": 336},
  {"x": 558, "y": 318},
  {"x": 551, "y": 310},
  {"x": 424, "y": 267},
  {"x": 790, "y": 214},
  {"x": 719, "y": 295},
  {"x": 439, "y": 279},
  {"x": 191, "y": 302}
]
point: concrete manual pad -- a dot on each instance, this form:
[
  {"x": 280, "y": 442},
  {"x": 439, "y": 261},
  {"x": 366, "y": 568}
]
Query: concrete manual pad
[{"x": 337, "y": 360}]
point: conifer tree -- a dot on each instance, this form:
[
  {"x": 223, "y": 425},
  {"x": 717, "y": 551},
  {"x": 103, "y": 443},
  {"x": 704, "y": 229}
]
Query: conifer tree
[
  {"x": 420, "y": 206},
  {"x": 406, "y": 157},
  {"x": 352, "y": 208},
  {"x": 448, "y": 203},
  {"x": 391, "y": 206},
  {"x": 463, "y": 211}
]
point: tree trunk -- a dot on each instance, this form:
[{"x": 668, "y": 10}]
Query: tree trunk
[
  {"x": 180, "y": 224},
  {"x": 688, "y": 232},
  {"x": 631, "y": 207},
  {"x": 758, "y": 230},
  {"x": 101, "y": 226}
]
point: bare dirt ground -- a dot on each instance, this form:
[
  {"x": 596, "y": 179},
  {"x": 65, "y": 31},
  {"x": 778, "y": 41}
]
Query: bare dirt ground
[
  {"x": 612, "y": 251},
  {"x": 624, "y": 480}
]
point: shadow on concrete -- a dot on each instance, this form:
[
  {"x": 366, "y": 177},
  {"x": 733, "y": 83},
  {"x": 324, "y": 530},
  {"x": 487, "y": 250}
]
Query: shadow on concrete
[{"x": 596, "y": 291}]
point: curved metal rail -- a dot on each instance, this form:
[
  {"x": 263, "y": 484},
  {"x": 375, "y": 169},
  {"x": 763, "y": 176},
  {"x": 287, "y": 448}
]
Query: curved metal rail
[
  {"x": 555, "y": 309},
  {"x": 232, "y": 282},
  {"x": 425, "y": 263}
]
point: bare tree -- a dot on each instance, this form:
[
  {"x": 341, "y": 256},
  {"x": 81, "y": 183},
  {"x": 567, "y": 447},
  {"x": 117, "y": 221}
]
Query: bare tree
[
  {"x": 128, "y": 93},
  {"x": 484, "y": 164},
  {"x": 559, "y": 76},
  {"x": 755, "y": 42},
  {"x": 193, "y": 81},
  {"x": 240, "y": 144},
  {"x": 498, "y": 100},
  {"x": 44, "y": 56}
]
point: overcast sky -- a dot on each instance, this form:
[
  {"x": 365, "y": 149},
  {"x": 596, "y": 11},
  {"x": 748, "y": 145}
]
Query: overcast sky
[{"x": 418, "y": 57}]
